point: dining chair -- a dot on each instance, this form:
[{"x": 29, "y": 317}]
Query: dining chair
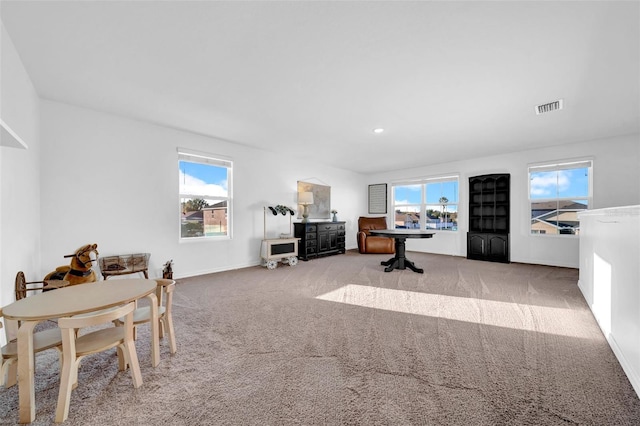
[
  {"x": 76, "y": 346},
  {"x": 42, "y": 340},
  {"x": 142, "y": 315}
]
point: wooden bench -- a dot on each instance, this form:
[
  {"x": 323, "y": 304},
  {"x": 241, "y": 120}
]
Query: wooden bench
[{"x": 124, "y": 264}]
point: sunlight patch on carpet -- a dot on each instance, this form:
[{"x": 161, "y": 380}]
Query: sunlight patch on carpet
[{"x": 542, "y": 319}]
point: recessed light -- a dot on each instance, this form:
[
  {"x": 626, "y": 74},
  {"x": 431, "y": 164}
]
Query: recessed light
[{"x": 378, "y": 130}]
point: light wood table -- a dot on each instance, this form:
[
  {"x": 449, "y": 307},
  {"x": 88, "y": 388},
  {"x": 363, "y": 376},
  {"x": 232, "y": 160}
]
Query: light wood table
[{"x": 66, "y": 302}]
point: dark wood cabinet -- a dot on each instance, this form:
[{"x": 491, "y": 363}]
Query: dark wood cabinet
[
  {"x": 483, "y": 246},
  {"x": 489, "y": 201},
  {"x": 319, "y": 238}
]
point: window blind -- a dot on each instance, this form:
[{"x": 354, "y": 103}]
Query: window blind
[
  {"x": 560, "y": 166},
  {"x": 199, "y": 157},
  {"x": 426, "y": 180}
]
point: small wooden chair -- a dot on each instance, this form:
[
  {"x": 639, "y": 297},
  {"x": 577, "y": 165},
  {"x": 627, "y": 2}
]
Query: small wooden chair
[
  {"x": 142, "y": 315},
  {"x": 75, "y": 348},
  {"x": 42, "y": 341}
]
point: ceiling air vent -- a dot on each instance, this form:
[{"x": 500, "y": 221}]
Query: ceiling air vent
[{"x": 551, "y": 106}]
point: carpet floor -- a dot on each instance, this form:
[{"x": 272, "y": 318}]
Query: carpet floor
[{"x": 337, "y": 341}]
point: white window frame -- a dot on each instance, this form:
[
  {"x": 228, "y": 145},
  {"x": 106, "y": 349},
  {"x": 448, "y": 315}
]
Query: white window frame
[
  {"x": 423, "y": 202},
  {"x": 551, "y": 166},
  {"x": 212, "y": 160}
]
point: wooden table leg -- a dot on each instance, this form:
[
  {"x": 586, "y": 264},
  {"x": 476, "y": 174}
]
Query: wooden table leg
[
  {"x": 155, "y": 333},
  {"x": 388, "y": 262},
  {"x": 397, "y": 261},
  {"x": 400, "y": 261},
  {"x": 26, "y": 368},
  {"x": 413, "y": 267}
]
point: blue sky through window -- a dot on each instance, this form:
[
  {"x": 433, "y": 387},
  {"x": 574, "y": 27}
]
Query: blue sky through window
[
  {"x": 568, "y": 183},
  {"x": 203, "y": 179},
  {"x": 437, "y": 190},
  {"x": 412, "y": 194},
  {"x": 408, "y": 194}
]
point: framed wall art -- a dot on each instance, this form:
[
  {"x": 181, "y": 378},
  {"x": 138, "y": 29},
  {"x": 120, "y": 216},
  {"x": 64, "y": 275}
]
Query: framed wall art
[
  {"x": 321, "y": 207},
  {"x": 378, "y": 198}
]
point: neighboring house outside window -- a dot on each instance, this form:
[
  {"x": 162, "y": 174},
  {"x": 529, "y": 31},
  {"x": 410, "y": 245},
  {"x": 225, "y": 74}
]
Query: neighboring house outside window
[
  {"x": 557, "y": 192},
  {"x": 430, "y": 203},
  {"x": 205, "y": 196}
]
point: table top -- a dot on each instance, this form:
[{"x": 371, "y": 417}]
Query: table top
[
  {"x": 78, "y": 299},
  {"x": 406, "y": 233}
]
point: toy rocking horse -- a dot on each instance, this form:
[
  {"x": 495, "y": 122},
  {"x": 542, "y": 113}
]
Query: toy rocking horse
[{"x": 79, "y": 270}]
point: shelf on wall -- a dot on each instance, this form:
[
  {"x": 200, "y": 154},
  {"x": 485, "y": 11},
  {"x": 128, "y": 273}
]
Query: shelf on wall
[
  {"x": 488, "y": 236},
  {"x": 10, "y": 138}
]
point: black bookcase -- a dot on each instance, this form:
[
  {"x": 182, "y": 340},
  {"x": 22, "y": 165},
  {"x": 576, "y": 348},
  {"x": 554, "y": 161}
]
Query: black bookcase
[{"x": 488, "y": 236}]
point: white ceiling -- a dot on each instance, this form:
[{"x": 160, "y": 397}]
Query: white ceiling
[{"x": 447, "y": 80}]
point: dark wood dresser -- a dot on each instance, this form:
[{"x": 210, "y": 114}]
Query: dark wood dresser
[{"x": 319, "y": 238}]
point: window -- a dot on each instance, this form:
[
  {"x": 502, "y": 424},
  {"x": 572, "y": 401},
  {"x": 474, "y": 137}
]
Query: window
[
  {"x": 205, "y": 196},
  {"x": 557, "y": 192},
  {"x": 430, "y": 204}
]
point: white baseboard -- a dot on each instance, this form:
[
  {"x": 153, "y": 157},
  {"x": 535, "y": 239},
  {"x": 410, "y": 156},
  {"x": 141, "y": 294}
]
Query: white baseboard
[
  {"x": 632, "y": 375},
  {"x": 583, "y": 291},
  {"x": 215, "y": 270}
]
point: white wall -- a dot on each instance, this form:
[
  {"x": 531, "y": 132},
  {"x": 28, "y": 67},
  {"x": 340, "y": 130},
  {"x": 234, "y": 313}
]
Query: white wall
[
  {"x": 114, "y": 181},
  {"x": 609, "y": 277},
  {"x": 19, "y": 174},
  {"x": 616, "y": 182}
]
